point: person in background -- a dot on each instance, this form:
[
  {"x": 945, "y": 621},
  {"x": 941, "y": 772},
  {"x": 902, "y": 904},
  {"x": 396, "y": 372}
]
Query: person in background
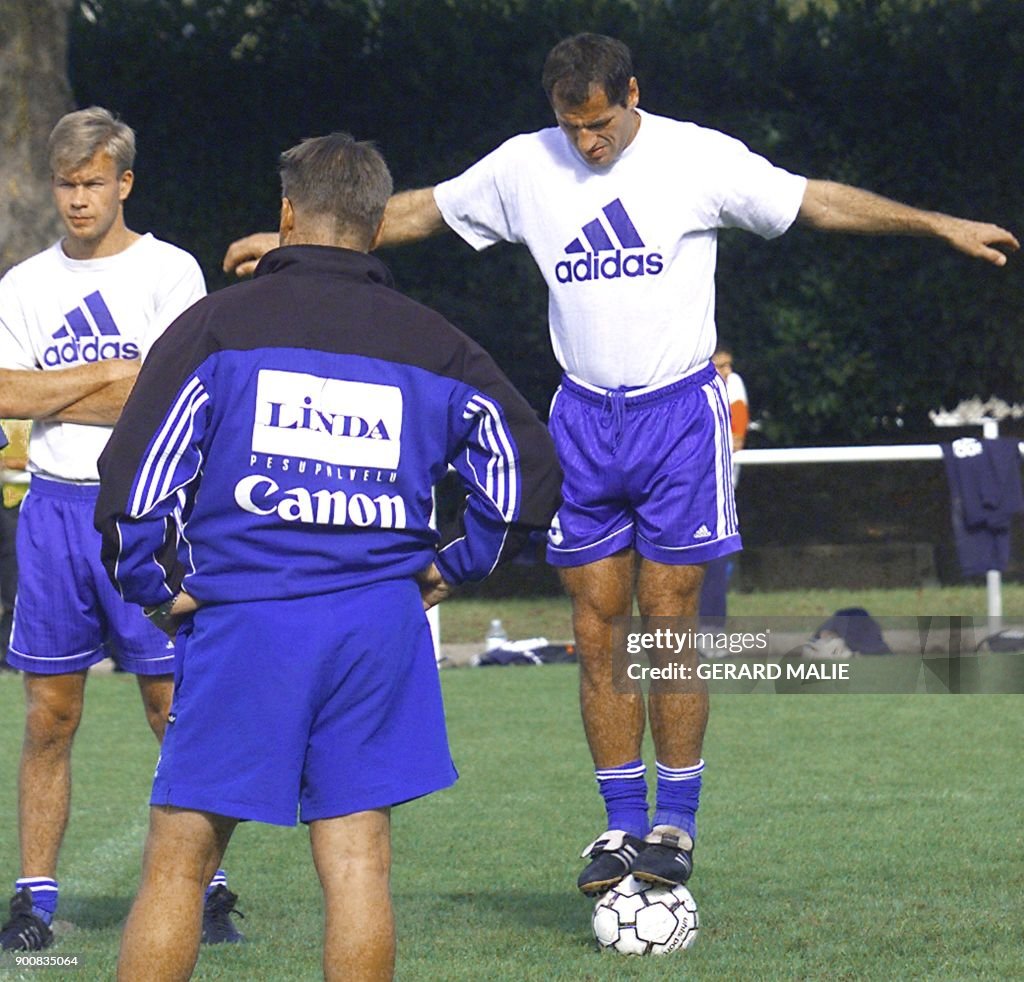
[
  {"x": 714, "y": 589},
  {"x": 736, "y": 392}
]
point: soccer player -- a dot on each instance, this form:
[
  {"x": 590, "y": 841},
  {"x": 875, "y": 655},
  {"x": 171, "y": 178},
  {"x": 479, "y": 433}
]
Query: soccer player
[
  {"x": 75, "y": 320},
  {"x": 620, "y": 209},
  {"x": 274, "y": 468}
]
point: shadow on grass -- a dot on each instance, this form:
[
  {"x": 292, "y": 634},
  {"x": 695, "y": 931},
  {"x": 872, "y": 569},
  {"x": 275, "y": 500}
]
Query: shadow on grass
[
  {"x": 531, "y": 910},
  {"x": 94, "y": 912}
]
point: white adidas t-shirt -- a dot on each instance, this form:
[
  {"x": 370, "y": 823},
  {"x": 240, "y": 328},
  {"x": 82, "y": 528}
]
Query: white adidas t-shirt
[
  {"x": 57, "y": 312},
  {"x": 629, "y": 252}
]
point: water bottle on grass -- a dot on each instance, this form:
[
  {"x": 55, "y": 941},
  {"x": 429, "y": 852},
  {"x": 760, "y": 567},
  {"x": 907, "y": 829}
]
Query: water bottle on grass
[{"x": 496, "y": 635}]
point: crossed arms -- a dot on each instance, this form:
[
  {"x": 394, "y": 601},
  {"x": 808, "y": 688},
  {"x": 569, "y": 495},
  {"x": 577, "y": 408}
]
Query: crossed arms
[{"x": 93, "y": 394}]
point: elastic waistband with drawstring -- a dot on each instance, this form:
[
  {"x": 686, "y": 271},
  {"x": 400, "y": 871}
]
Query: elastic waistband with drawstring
[
  {"x": 615, "y": 403},
  {"x": 634, "y": 396}
]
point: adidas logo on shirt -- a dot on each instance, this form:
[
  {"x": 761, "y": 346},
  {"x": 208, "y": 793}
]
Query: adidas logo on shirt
[
  {"x": 88, "y": 334},
  {"x": 702, "y": 533},
  {"x": 602, "y": 255}
]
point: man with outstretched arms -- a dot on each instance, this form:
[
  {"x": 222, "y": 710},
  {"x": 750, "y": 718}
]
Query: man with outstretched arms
[
  {"x": 620, "y": 209},
  {"x": 268, "y": 491},
  {"x": 75, "y": 321}
]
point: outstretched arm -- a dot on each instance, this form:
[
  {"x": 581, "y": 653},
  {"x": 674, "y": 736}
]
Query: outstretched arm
[
  {"x": 409, "y": 217},
  {"x": 35, "y": 394},
  {"x": 834, "y": 207}
]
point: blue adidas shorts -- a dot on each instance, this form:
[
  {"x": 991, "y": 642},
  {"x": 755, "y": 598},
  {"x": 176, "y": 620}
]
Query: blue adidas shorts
[
  {"x": 67, "y": 614},
  {"x": 648, "y": 469},
  {"x": 325, "y": 705}
]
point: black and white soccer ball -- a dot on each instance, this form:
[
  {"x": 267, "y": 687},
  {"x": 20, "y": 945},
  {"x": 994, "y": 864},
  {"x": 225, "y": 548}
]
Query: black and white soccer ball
[{"x": 636, "y": 918}]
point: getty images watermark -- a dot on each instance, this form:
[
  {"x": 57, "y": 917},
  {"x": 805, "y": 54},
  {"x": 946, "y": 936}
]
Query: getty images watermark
[{"x": 926, "y": 654}]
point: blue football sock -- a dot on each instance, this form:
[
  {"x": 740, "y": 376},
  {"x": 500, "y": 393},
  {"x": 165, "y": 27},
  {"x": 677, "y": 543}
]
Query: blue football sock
[
  {"x": 678, "y": 797},
  {"x": 44, "y": 895},
  {"x": 220, "y": 879},
  {"x": 624, "y": 790}
]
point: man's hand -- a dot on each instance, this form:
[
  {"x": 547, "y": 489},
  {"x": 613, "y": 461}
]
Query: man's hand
[
  {"x": 433, "y": 587},
  {"x": 169, "y": 615},
  {"x": 243, "y": 254},
  {"x": 981, "y": 240}
]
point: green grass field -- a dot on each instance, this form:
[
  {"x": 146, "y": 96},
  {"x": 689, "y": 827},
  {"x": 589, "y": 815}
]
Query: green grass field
[{"x": 843, "y": 837}]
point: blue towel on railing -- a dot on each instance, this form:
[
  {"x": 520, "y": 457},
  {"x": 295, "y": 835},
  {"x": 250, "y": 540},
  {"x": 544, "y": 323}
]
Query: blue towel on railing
[{"x": 985, "y": 493}]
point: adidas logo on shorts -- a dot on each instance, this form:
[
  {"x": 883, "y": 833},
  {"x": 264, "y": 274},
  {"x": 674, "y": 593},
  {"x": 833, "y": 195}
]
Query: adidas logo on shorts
[{"x": 702, "y": 533}]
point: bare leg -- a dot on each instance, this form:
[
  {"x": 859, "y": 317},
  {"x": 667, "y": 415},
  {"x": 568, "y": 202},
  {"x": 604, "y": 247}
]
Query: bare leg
[
  {"x": 613, "y": 720},
  {"x": 53, "y": 710},
  {"x": 156, "y": 691},
  {"x": 160, "y": 942},
  {"x": 352, "y": 855},
  {"x": 678, "y": 719}
]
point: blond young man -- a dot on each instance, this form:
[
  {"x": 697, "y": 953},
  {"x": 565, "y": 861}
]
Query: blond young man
[{"x": 75, "y": 322}]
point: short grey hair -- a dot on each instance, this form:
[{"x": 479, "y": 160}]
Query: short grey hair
[
  {"x": 79, "y": 135},
  {"x": 337, "y": 178}
]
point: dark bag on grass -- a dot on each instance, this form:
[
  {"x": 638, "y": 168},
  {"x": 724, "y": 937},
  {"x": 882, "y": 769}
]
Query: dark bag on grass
[
  {"x": 858, "y": 629},
  {"x": 546, "y": 654}
]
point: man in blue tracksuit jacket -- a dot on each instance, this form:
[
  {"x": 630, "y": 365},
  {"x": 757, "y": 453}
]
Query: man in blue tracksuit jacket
[{"x": 267, "y": 493}]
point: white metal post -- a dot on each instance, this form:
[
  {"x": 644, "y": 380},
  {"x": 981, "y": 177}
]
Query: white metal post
[
  {"x": 993, "y": 578},
  {"x": 434, "y": 614}
]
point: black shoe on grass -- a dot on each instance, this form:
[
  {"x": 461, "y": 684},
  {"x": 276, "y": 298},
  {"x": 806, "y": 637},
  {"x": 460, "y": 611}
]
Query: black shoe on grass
[
  {"x": 25, "y": 930},
  {"x": 610, "y": 858},
  {"x": 217, "y": 925},
  {"x": 666, "y": 857}
]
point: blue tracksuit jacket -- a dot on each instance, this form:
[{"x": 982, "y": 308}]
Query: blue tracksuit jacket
[{"x": 285, "y": 434}]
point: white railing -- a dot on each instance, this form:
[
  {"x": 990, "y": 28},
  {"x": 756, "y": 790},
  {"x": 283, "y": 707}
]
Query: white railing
[
  {"x": 842, "y": 455},
  {"x": 838, "y": 455}
]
